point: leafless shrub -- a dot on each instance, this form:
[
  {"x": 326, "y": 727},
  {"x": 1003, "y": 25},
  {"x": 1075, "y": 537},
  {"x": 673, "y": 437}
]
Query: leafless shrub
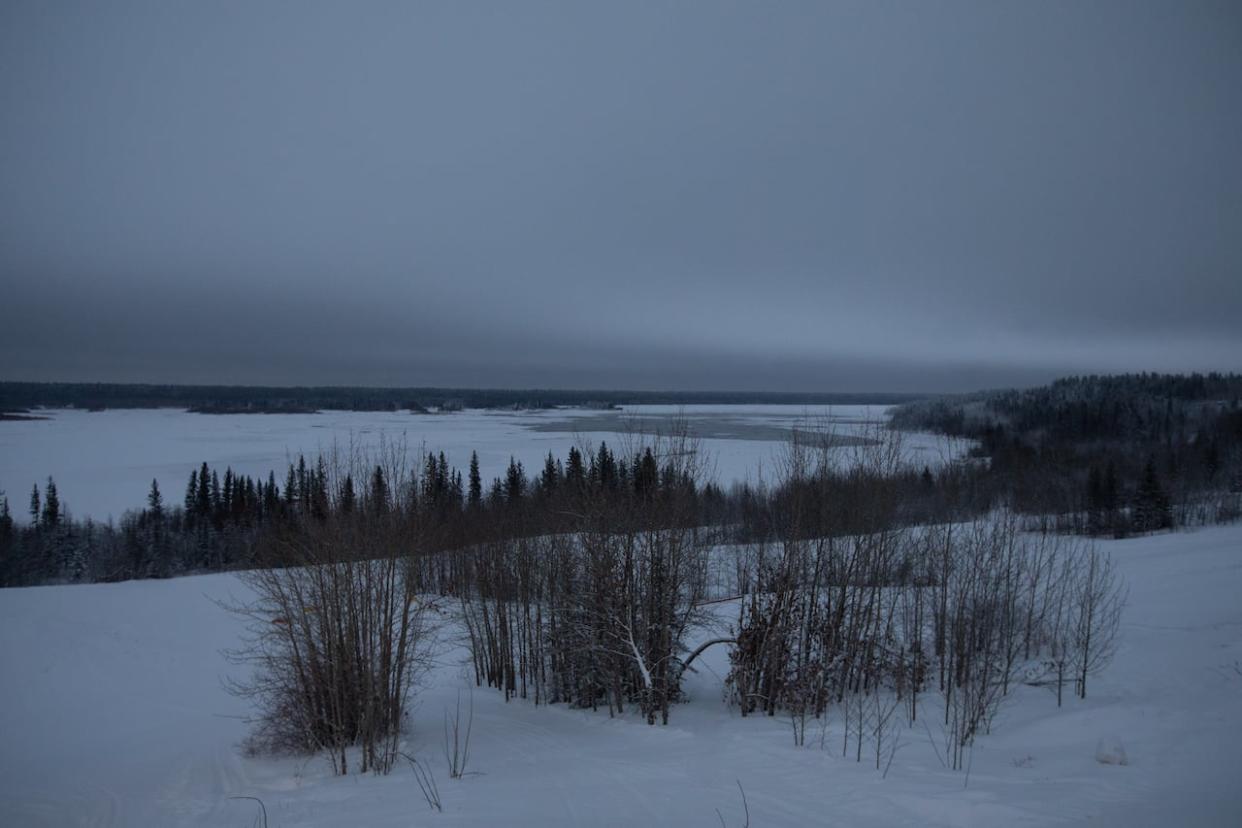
[
  {"x": 336, "y": 636},
  {"x": 457, "y": 744},
  {"x": 745, "y": 809},
  {"x": 1099, "y": 597},
  {"x": 857, "y": 610},
  {"x": 597, "y": 614},
  {"x": 426, "y": 783}
]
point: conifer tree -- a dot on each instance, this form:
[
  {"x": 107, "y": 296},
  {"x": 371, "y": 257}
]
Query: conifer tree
[
  {"x": 431, "y": 481},
  {"x": 271, "y": 495},
  {"x": 1095, "y": 500},
  {"x": 6, "y": 519},
  {"x": 575, "y": 471},
  {"x": 459, "y": 490},
  {"x": 1211, "y": 458},
  {"x": 319, "y": 491},
  {"x": 476, "y": 482},
  {"x": 646, "y": 475},
  {"x": 304, "y": 494},
  {"x": 51, "y": 505},
  {"x": 155, "y": 501},
  {"x": 379, "y": 491},
  {"x": 291, "y": 488},
  {"x": 606, "y": 468},
  {"x": 515, "y": 481},
  {"x": 1151, "y": 503},
  {"x": 347, "y": 495},
  {"x": 1109, "y": 489},
  {"x": 550, "y": 477},
  {"x": 214, "y": 508},
  {"x": 203, "y": 507},
  {"x": 191, "y": 494}
]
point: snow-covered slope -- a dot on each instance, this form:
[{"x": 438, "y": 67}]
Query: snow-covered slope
[{"x": 112, "y": 713}]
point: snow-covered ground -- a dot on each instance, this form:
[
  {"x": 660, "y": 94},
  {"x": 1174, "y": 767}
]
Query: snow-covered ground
[
  {"x": 104, "y": 462},
  {"x": 112, "y": 713}
]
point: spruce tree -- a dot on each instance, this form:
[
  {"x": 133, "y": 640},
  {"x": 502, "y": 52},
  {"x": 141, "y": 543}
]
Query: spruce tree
[
  {"x": 304, "y": 494},
  {"x": 457, "y": 491},
  {"x": 347, "y": 495},
  {"x": 1151, "y": 503},
  {"x": 51, "y": 504},
  {"x": 379, "y": 492},
  {"x": 1095, "y": 500},
  {"x": 550, "y": 476},
  {"x": 215, "y": 494},
  {"x": 6, "y": 520},
  {"x": 35, "y": 508},
  {"x": 319, "y": 491},
  {"x": 291, "y": 488},
  {"x": 271, "y": 495},
  {"x": 1211, "y": 459},
  {"x": 515, "y": 481},
  {"x": 476, "y": 482},
  {"x": 575, "y": 471},
  {"x": 191, "y": 494},
  {"x": 203, "y": 505},
  {"x": 155, "y": 501},
  {"x": 226, "y": 493},
  {"x": 431, "y": 481},
  {"x": 606, "y": 468},
  {"x": 1109, "y": 489},
  {"x": 646, "y": 475}
]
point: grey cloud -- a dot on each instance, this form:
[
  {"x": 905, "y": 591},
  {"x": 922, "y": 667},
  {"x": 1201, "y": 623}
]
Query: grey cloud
[{"x": 696, "y": 194}]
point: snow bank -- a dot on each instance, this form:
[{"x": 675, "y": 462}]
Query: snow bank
[{"x": 113, "y": 714}]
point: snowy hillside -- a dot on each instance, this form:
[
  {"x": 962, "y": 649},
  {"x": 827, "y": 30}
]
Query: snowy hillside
[{"x": 114, "y": 714}]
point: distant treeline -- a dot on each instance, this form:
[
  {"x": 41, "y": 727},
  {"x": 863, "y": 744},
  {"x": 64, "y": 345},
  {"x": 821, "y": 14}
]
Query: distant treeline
[
  {"x": 227, "y": 521},
  {"x": 1090, "y": 455},
  {"x": 1104, "y": 454},
  {"x": 21, "y": 396}
]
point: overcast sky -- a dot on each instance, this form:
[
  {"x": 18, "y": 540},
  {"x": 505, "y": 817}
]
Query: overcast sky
[{"x": 770, "y": 196}]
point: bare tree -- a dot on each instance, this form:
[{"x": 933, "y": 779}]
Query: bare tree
[
  {"x": 337, "y": 634},
  {"x": 1099, "y": 597}
]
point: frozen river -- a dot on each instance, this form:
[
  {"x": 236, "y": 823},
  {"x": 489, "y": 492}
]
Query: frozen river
[{"x": 103, "y": 462}]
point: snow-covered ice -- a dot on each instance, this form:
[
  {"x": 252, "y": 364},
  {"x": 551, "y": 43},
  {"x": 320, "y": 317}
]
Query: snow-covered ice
[
  {"x": 113, "y": 714},
  {"x": 104, "y": 462}
]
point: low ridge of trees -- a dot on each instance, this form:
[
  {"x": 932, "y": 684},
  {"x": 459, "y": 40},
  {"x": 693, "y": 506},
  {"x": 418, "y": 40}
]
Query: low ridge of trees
[
  {"x": 243, "y": 399},
  {"x": 1105, "y": 455}
]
